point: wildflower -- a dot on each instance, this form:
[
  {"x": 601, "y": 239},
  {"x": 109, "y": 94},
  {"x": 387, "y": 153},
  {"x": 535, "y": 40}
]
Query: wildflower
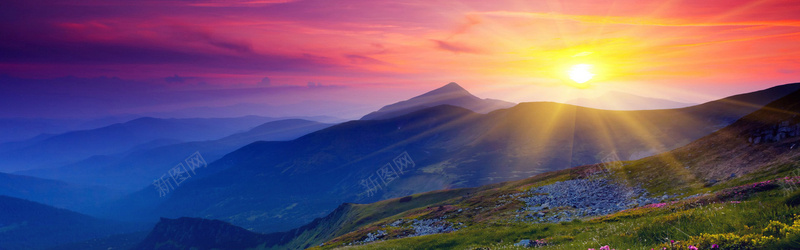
[
  {"x": 692, "y": 248},
  {"x": 714, "y": 246}
]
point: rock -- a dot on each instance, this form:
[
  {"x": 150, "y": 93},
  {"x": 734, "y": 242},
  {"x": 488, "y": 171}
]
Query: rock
[
  {"x": 583, "y": 197},
  {"x": 523, "y": 243},
  {"x": 397, "y": 223}
]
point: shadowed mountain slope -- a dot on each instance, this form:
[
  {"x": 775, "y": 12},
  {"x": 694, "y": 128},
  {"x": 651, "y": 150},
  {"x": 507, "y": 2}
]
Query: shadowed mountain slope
[{"x": 30, "y": 225}]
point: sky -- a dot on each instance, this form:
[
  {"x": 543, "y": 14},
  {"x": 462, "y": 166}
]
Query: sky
[{"x": 314, "y": 57}]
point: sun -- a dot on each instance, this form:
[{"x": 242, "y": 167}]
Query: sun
[{"x": 580, "y": 73}]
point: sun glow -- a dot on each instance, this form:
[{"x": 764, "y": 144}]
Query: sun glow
[{"x": 581, "y": 73}]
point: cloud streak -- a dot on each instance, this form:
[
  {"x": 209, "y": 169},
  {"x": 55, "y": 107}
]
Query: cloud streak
[
  {"x": 637, "y": 20},
  {"x": 454, "y": 47}
]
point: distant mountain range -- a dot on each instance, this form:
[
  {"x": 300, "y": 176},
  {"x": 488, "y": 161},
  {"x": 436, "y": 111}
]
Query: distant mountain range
[
  {"x": 615, "y": 100},
  {"x": 336, "y": 112},
  {"x": 275, "y": 186},
  {"x": 69, "y": 147},
  {"x": 20, "y": 129},
  {"x": 450, "y": 94},
  {"x": 140, "y": 166},
  {"x": 55, "y": 193},
  {"x": 760, "y": 145}
]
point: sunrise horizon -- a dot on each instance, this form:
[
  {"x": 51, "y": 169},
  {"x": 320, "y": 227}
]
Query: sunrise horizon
[
  {"x": 419, "y": 124},
  {"x": 291, "y": 52}
]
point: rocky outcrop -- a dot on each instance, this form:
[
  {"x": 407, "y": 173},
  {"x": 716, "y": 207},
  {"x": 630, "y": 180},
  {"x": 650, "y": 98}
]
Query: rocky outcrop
[
  {"x": 774, "y": 133},
  {"x": 571, "y": 199}
]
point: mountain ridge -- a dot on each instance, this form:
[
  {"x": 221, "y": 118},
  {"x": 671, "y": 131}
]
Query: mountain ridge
[
  {"x": 73, "y": 146},
  {"x": 614, "y": 100},
  {"x": 649, "y": 170},
  {"x": 139, "y": 167},
  {"x": 451, "y": 147}
]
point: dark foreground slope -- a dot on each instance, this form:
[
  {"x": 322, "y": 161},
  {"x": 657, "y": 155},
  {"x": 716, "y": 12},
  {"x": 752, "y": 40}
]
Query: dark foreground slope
[
  {"x": 275, "y": 186},
  {"x": 186, "y": 233},
  {"x": 30, "y": 225},
  {"x": 191, "y": 233}
]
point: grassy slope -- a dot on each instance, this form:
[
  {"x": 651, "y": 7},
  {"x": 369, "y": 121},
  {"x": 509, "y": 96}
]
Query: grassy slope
[
  {"x": 740, "y": 204},
  {"x": 349, "y": 217},
  {"x": 638, "y": 228}
]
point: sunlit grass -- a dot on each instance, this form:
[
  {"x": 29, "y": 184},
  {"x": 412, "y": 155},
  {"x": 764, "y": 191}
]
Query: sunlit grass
[
  {"x": 631, "y": 233},
  {"x": 640, "y": 228}
]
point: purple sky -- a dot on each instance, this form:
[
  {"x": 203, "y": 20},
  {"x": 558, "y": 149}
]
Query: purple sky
[{"x": 94, "y": 58}]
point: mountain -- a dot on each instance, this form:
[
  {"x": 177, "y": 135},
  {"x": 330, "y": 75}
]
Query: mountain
[
  {"x": 22, "y": 129},
  {"x": 266, "y": 110},
  {"x": 276, "y": 186},
  {"x": 139, "y": 167},
  {"x": 615, "y": 100},
  {"x": 344, "y": 219},
  {"x": 30, "y": 225},
  {"x": 280, "y": 130},
  {"x": 451, "y": 94},
  {"x": 117, "y": 241},
  {"x": 192, "y": 233},
  {"x": 666, "y": 194},
  {"x": 757, "y": 141},
  {"x": 55, "y": 193},
  {"x": 113, "y": 139},
  {"x": 752, "y": 162}
]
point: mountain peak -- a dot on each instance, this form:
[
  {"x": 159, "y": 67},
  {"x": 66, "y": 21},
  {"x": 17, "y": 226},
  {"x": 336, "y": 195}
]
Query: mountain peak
[
  {"x": 451, "y": 89},
  {"x": 450, "y": 94},
  {"x": 452, "y": 86}
]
